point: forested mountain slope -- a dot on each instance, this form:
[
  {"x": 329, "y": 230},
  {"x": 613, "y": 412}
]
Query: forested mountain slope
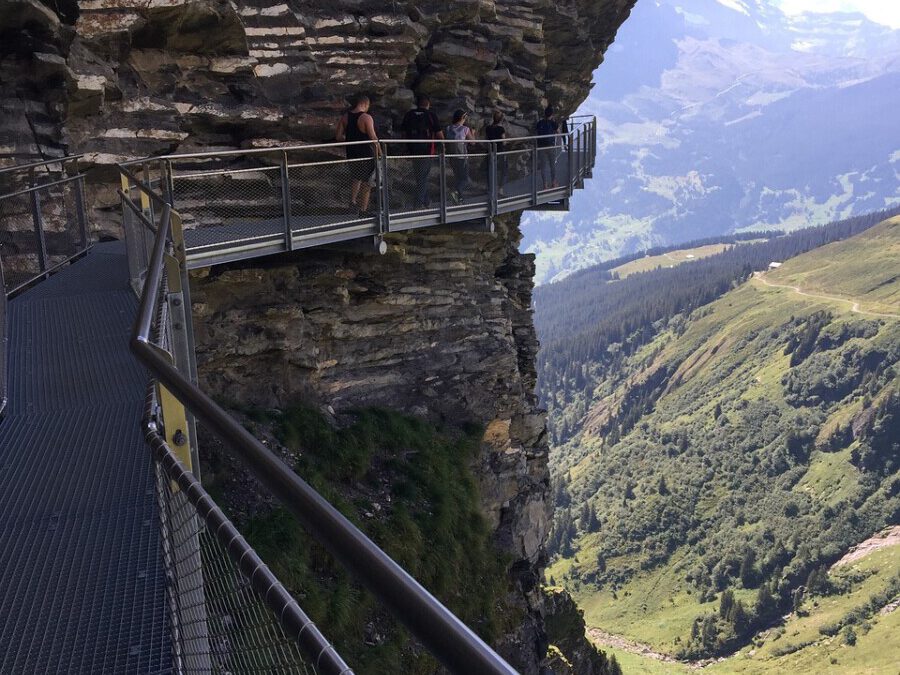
[{"x": 730, "y": 455}]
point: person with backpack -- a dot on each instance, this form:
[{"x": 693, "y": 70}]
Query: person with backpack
[
  {"x": 458, "y": 133},
  {"x": 546, "y": 147},
  {"x": 358, "y": 125},
  {"x": 421, "y": 123},
  {"x": 497, "y": 132}
]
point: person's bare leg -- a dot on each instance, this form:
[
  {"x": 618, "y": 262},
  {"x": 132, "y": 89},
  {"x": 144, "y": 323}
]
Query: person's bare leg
[
  {"x": 364, "y": 195},
  {"x": 354, "y": 192}
]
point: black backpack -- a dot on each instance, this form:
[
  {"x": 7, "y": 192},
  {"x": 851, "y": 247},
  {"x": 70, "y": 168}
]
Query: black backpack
[
  {"x": 546, "y": 127},
  {"x": 417, "y": 126}
]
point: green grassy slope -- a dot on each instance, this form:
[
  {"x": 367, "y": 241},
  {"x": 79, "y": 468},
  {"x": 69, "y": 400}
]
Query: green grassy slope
[
  {"x": 861, "y": 268},
  {"x": 800, "y": 646},
  {"x": 668, "y": 259},
  {"x": 764, "y": 453}
]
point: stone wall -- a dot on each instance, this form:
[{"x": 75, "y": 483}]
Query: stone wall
[{"x": 440, "y": 326}]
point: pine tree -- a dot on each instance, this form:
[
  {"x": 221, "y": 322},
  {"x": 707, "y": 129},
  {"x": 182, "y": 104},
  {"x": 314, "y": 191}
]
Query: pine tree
[
  {"x": 662, "y": 488},
  {"x": 748, "y": 569},
  {"x": 726, "y": 603},
  {"x": 709, "y": 632},
  {"x": 765, "y": 603},
  {"x": 614, "y": 667},
  {"x": 738, "y": 619}
]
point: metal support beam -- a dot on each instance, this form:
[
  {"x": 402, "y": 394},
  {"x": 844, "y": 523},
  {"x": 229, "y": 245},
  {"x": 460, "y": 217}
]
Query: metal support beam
[
  {"x": 286, "y": 203},
  {"x": 443, "y": 177},
  {"x": 80, "y": 212},
  {"x": 183, "y": 343},
  {"x": 493, "y": 187},
  {"x": 39, "y": 230},
  {"x": 570, "y": 183},
  {"x": 169, "y": 180},
  {"x": 534, "y": 172},
  {"x": 383, "y": 187}
]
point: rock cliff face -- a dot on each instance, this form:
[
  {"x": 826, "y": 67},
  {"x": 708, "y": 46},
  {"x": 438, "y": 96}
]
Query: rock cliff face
[{"x": 441, "y": 325}]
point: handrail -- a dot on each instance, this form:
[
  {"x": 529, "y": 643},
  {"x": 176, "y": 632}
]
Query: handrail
[
  {"x": 322, "y": 146},
  {"x": 43, "y": 162},
  {"x": 4, "y": 397},
  {"x": 448, "y": 638},
  {"x": 41, "y": 186},
  {"x": 48, "y": 261}
]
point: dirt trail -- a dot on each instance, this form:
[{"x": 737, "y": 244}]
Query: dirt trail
[
  {"x": 885, "y": 538},
  {"x": 604, "y": 639},
  {"x": 854, "y": 304}
]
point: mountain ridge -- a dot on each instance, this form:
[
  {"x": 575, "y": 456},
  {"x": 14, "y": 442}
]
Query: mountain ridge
[{"x": 708, "y": 116}]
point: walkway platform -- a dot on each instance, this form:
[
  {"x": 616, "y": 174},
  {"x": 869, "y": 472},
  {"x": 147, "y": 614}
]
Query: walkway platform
[{"x": 83, "y": 588}]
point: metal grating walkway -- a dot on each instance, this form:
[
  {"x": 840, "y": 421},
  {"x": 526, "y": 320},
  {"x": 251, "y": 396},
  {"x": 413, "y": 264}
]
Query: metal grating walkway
[{"x": 82, "y": 588}]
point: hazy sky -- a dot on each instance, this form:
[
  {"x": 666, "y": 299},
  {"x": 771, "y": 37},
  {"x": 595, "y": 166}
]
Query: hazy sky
[{"x": 882, "y": 11}]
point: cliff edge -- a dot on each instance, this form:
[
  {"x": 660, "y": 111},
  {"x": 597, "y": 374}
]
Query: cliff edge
[{"x": 441, "y": 326}]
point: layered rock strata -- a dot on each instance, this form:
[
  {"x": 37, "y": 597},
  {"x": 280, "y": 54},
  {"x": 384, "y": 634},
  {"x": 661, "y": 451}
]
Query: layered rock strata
[{"x": 441, "y": 325}]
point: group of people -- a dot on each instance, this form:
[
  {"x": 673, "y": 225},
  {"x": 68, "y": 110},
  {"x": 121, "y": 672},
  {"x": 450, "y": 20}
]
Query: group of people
[{"x": 421, "y": 128}]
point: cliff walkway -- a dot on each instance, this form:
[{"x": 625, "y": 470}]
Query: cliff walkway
[{"x": 114, "y": 559}]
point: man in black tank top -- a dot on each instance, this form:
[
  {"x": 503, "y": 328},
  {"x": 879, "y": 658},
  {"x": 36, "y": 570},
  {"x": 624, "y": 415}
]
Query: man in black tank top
[{"x": 355, "y": 126}]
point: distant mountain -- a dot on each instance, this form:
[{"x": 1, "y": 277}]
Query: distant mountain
[{"x": 724, "y": 115}]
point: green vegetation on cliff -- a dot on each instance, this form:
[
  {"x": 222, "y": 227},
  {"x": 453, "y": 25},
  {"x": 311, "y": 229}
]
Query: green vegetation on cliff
[
  {"x": 720, "y": 460},
  {"x": 411, "y": 488}
]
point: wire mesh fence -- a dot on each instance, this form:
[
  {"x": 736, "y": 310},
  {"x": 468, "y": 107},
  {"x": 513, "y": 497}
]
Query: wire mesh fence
[
  {"x": 237, "y": 204},
  {"x": 228, "y": 614},
  {"x": 19, "y": 243},
  {"x": 414, "y": 182},
  {"x": 219, "y": 622},
  {"x": 518, "y": 160},
  {"x": 246, "y": 200},
  {"x": 43, "y": 222},
  {"x": 332, "y": 192}
]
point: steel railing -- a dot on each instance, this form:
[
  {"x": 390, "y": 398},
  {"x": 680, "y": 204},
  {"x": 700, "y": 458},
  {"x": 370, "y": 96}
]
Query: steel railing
[
  {"x": 238, "y": 204},
  {"x": 43, "y": 227},
  {"x": 191, "y": 210},
  {"x": 176, "y": 396}
]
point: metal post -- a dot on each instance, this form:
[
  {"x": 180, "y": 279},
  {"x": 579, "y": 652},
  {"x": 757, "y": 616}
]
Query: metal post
[
  {"x": 3, "y": 342},
  {"x": 194, "y": 634},
  {"x": 39, "y": 230},
  {"x": 443, "y": 169},
  {"x": 572, "y": 167},
  {"x": 534, "y": 172},
  {"x": 169, "y": 194},
  {"x": 493, "y": 188},
  {"x": 80, "y": 212},
  {"x": 146, "y": 202},
  {"x": 286, "y": 202},
  {"x": 183, "y": 343},
  {"x": 384, "y": 196}
]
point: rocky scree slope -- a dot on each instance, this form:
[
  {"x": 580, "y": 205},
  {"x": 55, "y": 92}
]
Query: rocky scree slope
[{"x": 440, "y": 326}]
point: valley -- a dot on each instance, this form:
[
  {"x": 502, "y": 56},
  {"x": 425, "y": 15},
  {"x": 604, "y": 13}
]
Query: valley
[
  {"x": 711, "y": 468},
  {"x": 709, "y": 112}
]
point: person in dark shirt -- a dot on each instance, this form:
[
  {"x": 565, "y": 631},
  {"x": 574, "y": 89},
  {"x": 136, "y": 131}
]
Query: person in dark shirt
[
  {"x": 546, "y": 147},
  {"x": 421, "y": 124},
  {"x": 355, "y": 126},
  {"x": 497, "y": 132}
]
